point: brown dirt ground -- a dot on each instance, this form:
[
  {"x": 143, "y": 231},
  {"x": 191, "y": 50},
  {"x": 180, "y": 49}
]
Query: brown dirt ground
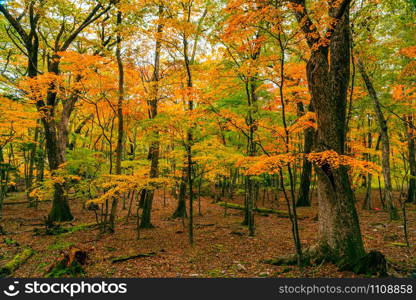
[{"x": 216, "y": 253}]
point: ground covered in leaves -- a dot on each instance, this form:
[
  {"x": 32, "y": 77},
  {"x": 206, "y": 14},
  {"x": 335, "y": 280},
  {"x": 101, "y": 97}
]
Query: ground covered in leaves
[{"x": 222, "y": 246}]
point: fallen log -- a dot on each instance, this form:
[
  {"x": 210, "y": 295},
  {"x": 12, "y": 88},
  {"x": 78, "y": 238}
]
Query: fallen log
[
  {"x": 57, "y": 229},
  {"x": 280, "y": 213},
  {"x": 128, "y": 257},
  {"x": 16, "y": 262},
  {"x": 80, "y": 227},
  {"x": 52, "y": 228},
  {"x": 24, "y": 202}
]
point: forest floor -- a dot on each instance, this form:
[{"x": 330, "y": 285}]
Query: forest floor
[{"x": 222, "y": 246}]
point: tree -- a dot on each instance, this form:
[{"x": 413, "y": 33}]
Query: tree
[
  {"x": 328, "y": 77},
  {"x": 155, "y": 144},
  {"x": 56, "y": 135},
  {"x": 120, "y": 133},
  {"x": 385, "y": 144}
]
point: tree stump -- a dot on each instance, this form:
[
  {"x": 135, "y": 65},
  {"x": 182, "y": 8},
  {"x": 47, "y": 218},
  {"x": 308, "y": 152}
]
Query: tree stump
[{"x": 69, "y": 264}]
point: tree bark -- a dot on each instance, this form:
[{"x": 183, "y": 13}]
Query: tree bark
[
  {"x": 385, "y": 143},
  {"x": 252, "y": 192},
  {"x": 119, "y": 149},
  {"x": 180, "y": 211},
  {"x": 56, "y": 135},
  {"x": 189, "y": 140},
  {"x": 328, "y": 78},
  {"x": 155, "y": 144}
]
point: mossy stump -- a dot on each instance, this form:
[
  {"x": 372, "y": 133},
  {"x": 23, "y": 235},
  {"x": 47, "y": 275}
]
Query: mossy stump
[{"x": 69, "y": 265}]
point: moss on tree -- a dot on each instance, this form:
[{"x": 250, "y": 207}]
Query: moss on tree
[
  {"x": 16, "y": 262},
  {"x": 280, "y": 213}
]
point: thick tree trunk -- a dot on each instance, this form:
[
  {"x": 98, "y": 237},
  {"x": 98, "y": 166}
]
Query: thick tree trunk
[
  {"x": 338, "y": 221},
  {"x": 60, "y": 209},
  {"x": 385, "y": 143},
  {"x": 180, "y": 211},
  {"x": 56, "y": 137},
  {"x": 30, "y": 41},
  {"x": 339, "y": 229},
  {"x": 148, "y": 194}
]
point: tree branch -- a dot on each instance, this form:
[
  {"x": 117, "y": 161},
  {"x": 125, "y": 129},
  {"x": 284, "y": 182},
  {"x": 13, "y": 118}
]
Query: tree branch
[
  {"x": 88, "y": 20},
  {"x": 16, "y": 25}
]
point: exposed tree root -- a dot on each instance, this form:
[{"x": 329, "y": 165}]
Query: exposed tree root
[{"x": 372, "y": 264}]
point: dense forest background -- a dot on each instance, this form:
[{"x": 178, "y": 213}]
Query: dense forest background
[{"x": 207, "y": 138}]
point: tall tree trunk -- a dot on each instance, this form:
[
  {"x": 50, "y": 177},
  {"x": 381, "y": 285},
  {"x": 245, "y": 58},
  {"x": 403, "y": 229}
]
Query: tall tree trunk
[
  {"x": 338, "y": 221},
  {"x": 385, "y": 143},
  {"x": 339, "y": 229},
  {"x": 189, "y": 142},
  {"x": 155, "y": 144},
  {"x": 56, "y": 137},
  {"x": 119, "y": 149},
  {"x": 251, "y": 151},
  {"x": 251, "y": 86}
]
